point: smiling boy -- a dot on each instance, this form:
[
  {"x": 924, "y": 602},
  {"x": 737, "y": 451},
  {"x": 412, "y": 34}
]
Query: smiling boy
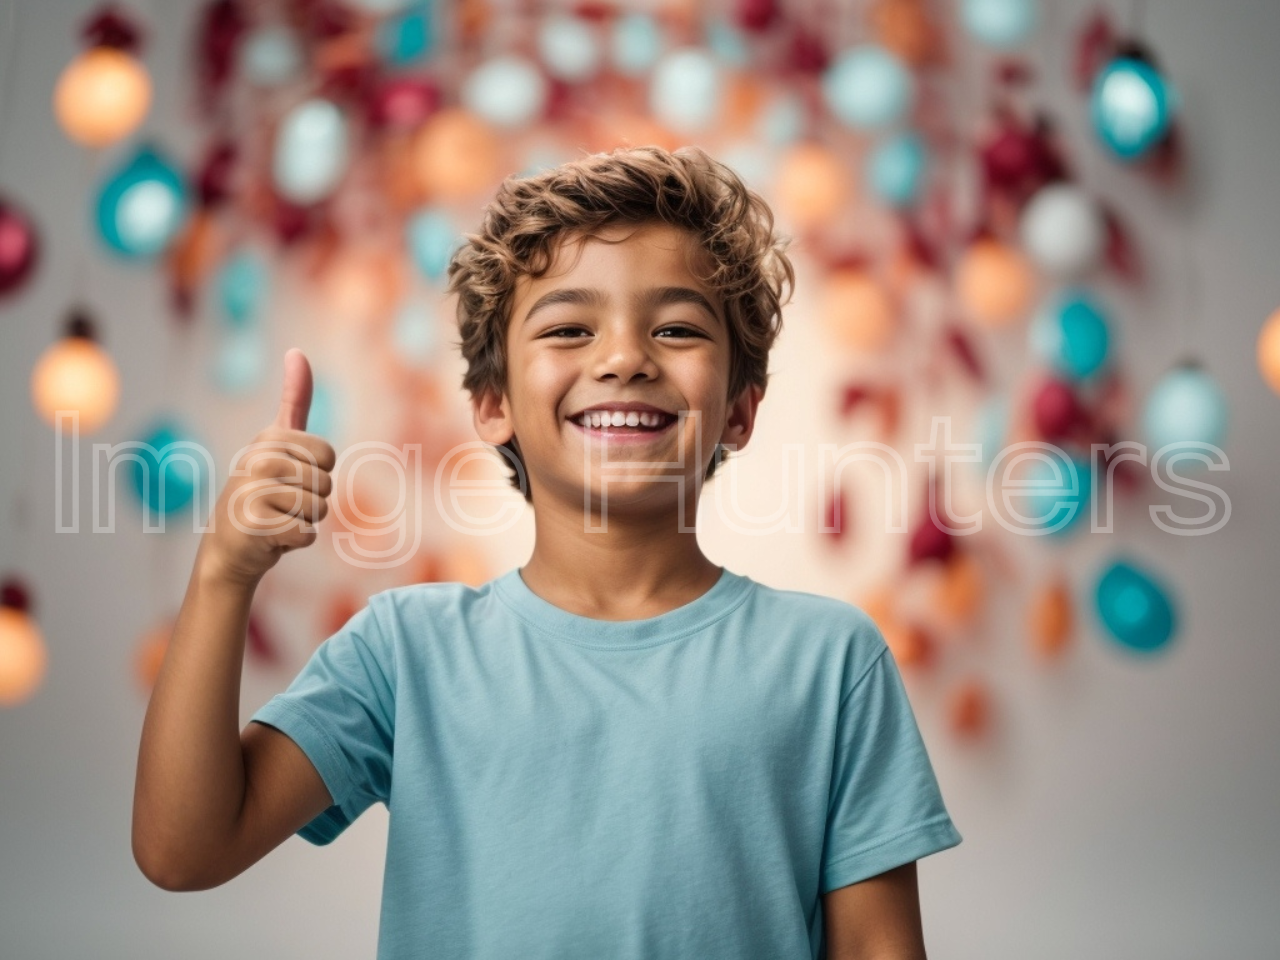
[{"x": 620, "y": 749}]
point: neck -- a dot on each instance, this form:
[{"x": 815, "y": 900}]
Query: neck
[{"x": 630, "y": 565}]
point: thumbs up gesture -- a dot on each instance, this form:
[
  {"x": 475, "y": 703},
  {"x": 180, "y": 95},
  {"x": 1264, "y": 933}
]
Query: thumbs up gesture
[{"x": 277, "y": 491}]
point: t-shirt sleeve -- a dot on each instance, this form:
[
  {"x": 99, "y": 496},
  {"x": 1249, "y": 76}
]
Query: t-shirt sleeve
[
  {"x": 885, "y": 807},
  {"x": 340, "y": 710}
]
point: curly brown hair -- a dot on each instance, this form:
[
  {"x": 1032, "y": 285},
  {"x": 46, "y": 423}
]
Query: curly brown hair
[{"x": 521, "y": 227}]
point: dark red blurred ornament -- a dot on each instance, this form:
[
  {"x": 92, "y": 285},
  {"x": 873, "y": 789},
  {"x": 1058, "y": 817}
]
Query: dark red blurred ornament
[
  {"x": 1056, "y": 411},
  {"x": 930, "y": 541},
  {"x": 15, "y": 595},
  {"x": 835, "y": 518},
  {"x": 1018, "y": 160},
  {"x": 560, "y": 100},
  {"x": 109, "y": 26},
  {"x": 1014, "y": 72},
  {"x": 595, "y": 11},
  {"x": 19, "y": 247},
  {"x": 213, "y": 180},
  {"x": 853, "y": 396},
  {"x": 260, "y": 645},
  {"x": 962, "y": 347},
  {"x": 1165, "y": 162},
  {"x": 1120, "y": 253},
  {"x": 918, "y": 247},
  {"x": 1094, "y": 48},
  {"x": 808, "y": 53},
  {"x": 290, "y": 222},
  {"x": 403, "y": 103},
  {"x": 757, "y": 16},
  {"x": 322, "y": 19},
  {"x": 222, "y": 25}
]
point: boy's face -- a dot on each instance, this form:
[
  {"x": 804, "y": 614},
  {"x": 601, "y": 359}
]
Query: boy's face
[{"x": 613, "y": 322}]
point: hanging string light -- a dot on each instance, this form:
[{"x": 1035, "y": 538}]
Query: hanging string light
[{"x": 104, "y": 93}]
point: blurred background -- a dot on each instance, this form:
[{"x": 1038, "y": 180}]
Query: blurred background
[{"x": 1047, "y": 223}]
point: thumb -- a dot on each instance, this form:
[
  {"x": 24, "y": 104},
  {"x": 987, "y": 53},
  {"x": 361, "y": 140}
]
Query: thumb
[{"x": 295, "y": 398}]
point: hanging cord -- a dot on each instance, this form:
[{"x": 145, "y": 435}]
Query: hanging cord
[
  {"x": 20, "y": 508},
  {"x": 1137, "y": 18}
]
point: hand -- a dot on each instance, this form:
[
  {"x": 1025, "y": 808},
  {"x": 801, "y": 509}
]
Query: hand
[{"x": 277, "y": 491}]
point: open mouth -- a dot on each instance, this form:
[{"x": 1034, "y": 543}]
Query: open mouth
[{"x": 617, "y": 424}]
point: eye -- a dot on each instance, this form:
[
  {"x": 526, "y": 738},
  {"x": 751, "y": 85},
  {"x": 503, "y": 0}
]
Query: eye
[
  {"x": 681, "y": 331},
  {"x": 566, "y": 333}
]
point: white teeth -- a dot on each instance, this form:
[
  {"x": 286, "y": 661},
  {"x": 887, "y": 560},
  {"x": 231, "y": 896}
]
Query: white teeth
[{"x": 619, "y": 418}]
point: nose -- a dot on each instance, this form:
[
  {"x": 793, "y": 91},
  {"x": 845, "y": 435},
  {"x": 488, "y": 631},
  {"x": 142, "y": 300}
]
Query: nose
[{"x": 623, "y": 353}]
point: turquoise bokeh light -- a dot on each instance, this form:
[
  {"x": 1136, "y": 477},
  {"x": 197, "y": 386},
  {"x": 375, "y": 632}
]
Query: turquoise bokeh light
[{"x": 142, "y": 206}]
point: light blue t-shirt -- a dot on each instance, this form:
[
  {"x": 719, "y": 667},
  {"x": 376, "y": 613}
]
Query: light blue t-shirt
[{"x": 561, "y": 787}]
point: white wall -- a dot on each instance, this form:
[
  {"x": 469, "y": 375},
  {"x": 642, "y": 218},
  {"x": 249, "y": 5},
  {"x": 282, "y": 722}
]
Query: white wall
[{"x": 1126, "y": 809}]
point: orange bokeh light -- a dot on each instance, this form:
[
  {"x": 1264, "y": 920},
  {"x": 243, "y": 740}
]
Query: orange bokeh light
[
  {"x": 812, "y": 184},
  {"x": 1269, "y": 352},
  {"x": 23, "y": 659},
  {"x": 75, "y": 373},
  {"x": 857, "y": 310},
  {"x": 456, "y": 154},
  {"x": 102, "y": 96},
  {"x": 995, "y": 283}
]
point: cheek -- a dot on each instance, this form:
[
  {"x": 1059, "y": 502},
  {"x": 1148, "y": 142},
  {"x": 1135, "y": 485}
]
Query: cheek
[{"x": 545, "y": 379}]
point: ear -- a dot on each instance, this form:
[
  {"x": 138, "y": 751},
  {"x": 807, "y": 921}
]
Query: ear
[
  {"x": 741, "y": 420},
  {"x": 492, "y": 417}
]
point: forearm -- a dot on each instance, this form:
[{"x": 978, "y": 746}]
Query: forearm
[{"x": 191, "y": 778}]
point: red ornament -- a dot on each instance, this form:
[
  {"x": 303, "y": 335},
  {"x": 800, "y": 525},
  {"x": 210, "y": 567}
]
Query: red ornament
[
  {"x": 222, "y": 25},
  {"x": 1057, "y": 412},
  {"x": 836, "y": 518},
  {"x": 19, "y": 248},
  {"x": 962, "y": 347},
  {"x": 853, "y": 396},
  {"x": 109, "y": 27},
  {"x": 14, "y": 595},
  {"x": 808, "y": 53},
  {"x": 213, "y": 181},
  {"x": 259, "y": 644},
  {"x": 757, "y": 16},
  {"x": 1017, "y": 160},
  {"x": 1120, "y": 253},
  {"x": 1093, "y": 50},
  {"x": 403, "y": 103},
  {"x": 969, "y": 708},
  {"x": 930, "y": 541}
]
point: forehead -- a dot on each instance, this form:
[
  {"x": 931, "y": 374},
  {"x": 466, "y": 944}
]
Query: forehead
[{"x": 622, "y": 253}]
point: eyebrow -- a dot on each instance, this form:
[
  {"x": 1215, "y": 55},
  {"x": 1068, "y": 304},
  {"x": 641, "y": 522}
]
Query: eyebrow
[{"x": 651, "y": 298}]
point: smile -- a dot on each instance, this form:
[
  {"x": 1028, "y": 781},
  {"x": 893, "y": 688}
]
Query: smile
[{"x": 620, "y": 426}]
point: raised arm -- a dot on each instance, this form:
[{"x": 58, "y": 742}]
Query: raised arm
[{"x": 209, "y": 800}]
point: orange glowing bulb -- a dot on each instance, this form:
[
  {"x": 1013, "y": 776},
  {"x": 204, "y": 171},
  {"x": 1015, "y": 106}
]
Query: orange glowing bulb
[
  {"x": 456, "y": 154},
  {"x": 102, "y": 96},
  {"x": 364, "y": 285},
  {"x": 958, "y": 596},
  {"x": 995, "y": 283},
  {"x": 1050, "y": 621},
  {"x": 812, "y": 184},
  {"x": 1269, "y": 352},
  {"x": 76, "y": 374},
  {"x": 23, "y": 658},
  {"x": 969, "y": 708},
  {"x": 148, "y": 655},
  {"x": 858, "y": 311}
]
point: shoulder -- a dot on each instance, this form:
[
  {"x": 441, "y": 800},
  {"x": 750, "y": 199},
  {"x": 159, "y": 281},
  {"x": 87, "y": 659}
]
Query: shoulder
[
  {"x": 415, "y": 604},
  {"x": 846, "y": 631}
]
